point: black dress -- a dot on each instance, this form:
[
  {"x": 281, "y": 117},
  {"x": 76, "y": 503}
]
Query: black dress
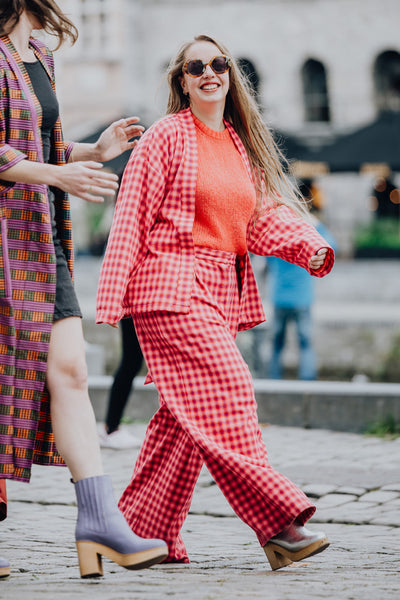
[{"x": 66, "y": 303}]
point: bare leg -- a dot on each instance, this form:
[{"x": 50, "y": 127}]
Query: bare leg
[{"x": 72, "y": 416}]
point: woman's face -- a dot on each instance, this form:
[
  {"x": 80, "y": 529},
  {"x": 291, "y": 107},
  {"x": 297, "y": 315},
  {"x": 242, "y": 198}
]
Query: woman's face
[{"x": 209, "y": 88}]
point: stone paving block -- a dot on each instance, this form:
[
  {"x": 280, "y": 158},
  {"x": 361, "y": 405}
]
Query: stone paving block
[
  {"x": 314, "y": 490},
  {"x": 353, "y": 491},
  {"x": 353, "y": 512},
  {"x": 379, "y": 497},
  {"x": 390, "y": 517},
  {"x": 391, "y": 487},
  {"x": 334, "y": 500},
  {"x": 210, "y": 501}
]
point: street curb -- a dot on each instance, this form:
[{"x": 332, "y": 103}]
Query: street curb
[{"x": 339, "y": 406}]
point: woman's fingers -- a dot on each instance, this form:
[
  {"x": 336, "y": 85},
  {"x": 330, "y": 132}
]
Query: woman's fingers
[
  {"x": 87, "y": 180},
  {"x": 318, "y": 259}
]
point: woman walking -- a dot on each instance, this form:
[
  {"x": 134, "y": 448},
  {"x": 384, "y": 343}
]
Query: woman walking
[
  {"x": 204, "y": 187},
  {"x": 42, "y": 358}
]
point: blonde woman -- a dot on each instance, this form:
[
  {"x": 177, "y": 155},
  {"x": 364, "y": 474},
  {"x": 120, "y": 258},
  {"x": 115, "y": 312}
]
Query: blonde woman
[{"x": 203, "y": 188}]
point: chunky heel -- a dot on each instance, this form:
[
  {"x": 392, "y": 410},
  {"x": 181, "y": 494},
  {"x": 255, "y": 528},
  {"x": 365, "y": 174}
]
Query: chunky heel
[
  {"x": 4, "y": 567},
  {"x": 102, "y": 530},
  {"x": 90, "y": 558},
  {"x": 90, "y": 563},
  {"x": 293, "y": 544},
  {"x": 275, "y": 559}
]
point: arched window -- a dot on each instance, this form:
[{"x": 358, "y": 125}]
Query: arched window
[
  {"x": 315, "y": 91},
  {"x": 387, "y": 80},
  {"x": 251, "y": 73}
]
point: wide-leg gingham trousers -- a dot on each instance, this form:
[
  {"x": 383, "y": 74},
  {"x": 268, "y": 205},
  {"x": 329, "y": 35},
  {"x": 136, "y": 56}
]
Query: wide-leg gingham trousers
[{"x": 207, "y": 414}]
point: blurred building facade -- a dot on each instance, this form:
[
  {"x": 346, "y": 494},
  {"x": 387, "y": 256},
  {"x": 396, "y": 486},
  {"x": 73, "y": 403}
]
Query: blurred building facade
[{"x": 321, "y": 67}]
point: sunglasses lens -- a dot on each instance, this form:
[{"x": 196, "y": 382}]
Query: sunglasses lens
[
  {"x": 220, "y": 64},
  {"x": 195, "y": 68}
]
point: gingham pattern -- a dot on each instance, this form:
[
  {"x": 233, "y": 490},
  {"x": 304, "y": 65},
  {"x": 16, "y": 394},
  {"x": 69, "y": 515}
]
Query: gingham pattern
[
  {"x": 149, "y": 261},
  {"x": 27, "y": 270},
  {"x": 208, "y": 413}
]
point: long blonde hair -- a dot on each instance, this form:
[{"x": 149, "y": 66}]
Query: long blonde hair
[{"x": 241, "y": 110}]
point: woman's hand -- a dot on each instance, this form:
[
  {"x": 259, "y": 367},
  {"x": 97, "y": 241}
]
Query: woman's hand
[
  {"x": 115, "y": 139},
  {"x": 87, "y": 180},
  {"x": 317, "y": 261}
]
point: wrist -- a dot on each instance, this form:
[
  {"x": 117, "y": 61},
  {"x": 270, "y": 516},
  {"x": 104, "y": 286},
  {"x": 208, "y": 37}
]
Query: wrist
[
  {"x": 85, "y": 151},
  {"x": 53, "y": 173}
]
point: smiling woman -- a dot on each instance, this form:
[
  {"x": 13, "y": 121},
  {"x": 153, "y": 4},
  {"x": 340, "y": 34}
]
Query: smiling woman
[{"x": 203, "y": 188}]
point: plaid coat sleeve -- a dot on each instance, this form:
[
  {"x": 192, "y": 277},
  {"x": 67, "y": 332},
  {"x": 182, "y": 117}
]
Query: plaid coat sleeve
[
  {"x": 142, "y": 191},
  {"x": 9, "y": 156},
  {"x": 279, "y": 231}
]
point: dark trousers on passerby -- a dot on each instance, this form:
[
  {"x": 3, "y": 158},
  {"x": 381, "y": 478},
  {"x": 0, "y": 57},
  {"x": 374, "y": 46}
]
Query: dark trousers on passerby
[{"x": 129, "y": 367}]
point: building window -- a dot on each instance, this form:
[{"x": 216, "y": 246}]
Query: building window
[
  {"x": 387, "y": 81},
  {"x": 315, "y": 91},
  {"x": 250, "y": 72},
  {"x": 99, "y": 25}
]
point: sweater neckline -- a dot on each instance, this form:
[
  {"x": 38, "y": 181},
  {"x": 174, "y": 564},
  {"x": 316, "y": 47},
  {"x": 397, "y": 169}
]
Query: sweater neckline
[{"x": 220, "y": 135}]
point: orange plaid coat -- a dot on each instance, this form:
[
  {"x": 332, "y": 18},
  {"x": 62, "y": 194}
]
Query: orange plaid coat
[
  {"x": 27, "y": 269},
  {"x": 149, "y": 260}
]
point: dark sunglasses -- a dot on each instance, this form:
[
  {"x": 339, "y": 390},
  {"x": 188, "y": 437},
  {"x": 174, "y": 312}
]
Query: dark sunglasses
[{"x": 195, "y": 68}]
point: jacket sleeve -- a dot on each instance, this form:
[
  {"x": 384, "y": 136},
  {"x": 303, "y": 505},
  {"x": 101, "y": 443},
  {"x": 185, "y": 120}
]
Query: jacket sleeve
[
  {"x": 9, "y": 156},
  {"x": 139, "y": 199},
  {"x": 280, "y": 232}
]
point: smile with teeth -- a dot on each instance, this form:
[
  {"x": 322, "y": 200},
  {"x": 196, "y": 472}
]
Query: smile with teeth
[{"x": 210, "y": 86}]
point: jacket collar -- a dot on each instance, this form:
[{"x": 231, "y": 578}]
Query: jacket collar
[{"x": 10, "y": 49}]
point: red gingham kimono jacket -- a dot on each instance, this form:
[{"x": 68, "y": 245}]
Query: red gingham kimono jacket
[
  {"x": 149, "y": 260},
  {"x": 27, "y": 270}
]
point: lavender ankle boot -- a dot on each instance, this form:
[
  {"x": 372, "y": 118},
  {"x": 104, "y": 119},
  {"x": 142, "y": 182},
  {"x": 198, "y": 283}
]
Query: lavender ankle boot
[
  {"x": 101, "y": 530},
  {"x": 4, "y": 567}
]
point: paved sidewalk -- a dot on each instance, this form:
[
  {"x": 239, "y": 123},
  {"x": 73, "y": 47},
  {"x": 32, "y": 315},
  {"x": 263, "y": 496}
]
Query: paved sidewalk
[{"x": 354, "y": 480}]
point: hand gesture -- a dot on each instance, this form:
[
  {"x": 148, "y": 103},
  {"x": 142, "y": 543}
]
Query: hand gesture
[
  {"x": 115, "y": 139},
  {"x": 317, "y": 261},
  {"x": 87, "y": 180}
]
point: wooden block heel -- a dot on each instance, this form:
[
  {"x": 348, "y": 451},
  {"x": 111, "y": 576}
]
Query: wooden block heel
[
  {"x": 4, "y": 571},
  {"x": 275, "y": 559},
  {"x": 90, "y": 553},
  {"x": 279, "y": 557},
  {"x": 90, "y": 564}
]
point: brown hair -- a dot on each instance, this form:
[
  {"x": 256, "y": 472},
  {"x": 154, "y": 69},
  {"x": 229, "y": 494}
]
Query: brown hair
[
  {"x": 242, "y": 112},
  {"x": 47, "y": 12}
]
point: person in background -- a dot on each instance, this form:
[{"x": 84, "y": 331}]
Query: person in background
[
  {"x": 292, "y": 292},
  {"x": 203, "y": 187},
  {"x": 112, "y": 435},
  {"x": 45, "y": 411}
]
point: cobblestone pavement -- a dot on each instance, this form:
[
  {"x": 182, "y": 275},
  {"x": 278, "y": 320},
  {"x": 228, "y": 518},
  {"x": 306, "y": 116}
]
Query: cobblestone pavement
[{"x": 354, "y": 480}]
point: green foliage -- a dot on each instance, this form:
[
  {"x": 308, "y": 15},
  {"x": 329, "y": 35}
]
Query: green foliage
[
  {"x": 386, "y": 427},
  {"x": 381, "y": 233},
  {"x": 389, "y": 370}
]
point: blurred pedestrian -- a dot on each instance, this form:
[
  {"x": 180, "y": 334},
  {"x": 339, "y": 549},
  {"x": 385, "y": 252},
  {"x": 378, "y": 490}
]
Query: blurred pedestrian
[
  {"x": 203, "y": 187},
  {"x": 112, "y": 435},
  {"x": 44, "y": 376},
  {"x": 292, "y": 294}
]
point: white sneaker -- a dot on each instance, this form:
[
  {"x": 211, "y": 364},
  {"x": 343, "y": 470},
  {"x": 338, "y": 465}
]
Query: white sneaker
[{"x": 120, "y": 439}]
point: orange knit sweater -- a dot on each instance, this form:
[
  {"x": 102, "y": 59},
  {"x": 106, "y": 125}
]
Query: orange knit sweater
[{"x": 225, "y": 194}]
